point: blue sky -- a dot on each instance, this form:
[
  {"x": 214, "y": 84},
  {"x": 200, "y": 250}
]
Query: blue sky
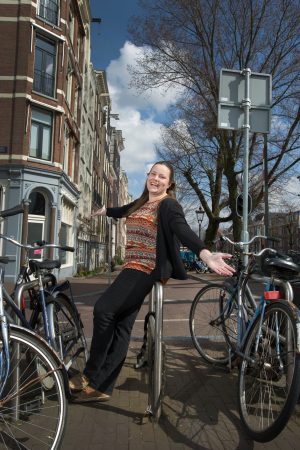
[
  {"x": 140, "y": 116},
  {"x": 109, "y": 37}
]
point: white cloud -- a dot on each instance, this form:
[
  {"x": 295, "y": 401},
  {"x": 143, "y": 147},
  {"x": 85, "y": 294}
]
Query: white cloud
[
  {"x": 158, "y": 100},
  {"x": 140, "y": 117}
]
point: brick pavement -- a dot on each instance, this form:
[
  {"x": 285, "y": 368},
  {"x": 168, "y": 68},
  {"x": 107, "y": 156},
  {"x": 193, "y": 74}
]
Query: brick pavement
[{"x": 199, "y": 407}]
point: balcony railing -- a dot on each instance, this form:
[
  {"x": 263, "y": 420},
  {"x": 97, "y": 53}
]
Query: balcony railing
[
  {"x": 48, "y": 10},
  {"x": 43, "y": 82}
]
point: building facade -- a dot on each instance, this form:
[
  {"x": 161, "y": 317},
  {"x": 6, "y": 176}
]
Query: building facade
[{"x": 54, "y": 154}]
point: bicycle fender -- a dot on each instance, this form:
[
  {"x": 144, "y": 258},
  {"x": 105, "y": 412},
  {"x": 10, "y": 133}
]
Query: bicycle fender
[
  {"x": 68, "y": 300},
  {"x": 296, "y": 314},
  {"x": 60, "y": 287}
]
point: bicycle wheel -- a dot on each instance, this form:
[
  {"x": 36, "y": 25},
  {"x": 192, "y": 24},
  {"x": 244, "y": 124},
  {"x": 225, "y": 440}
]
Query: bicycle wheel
[
  {"x": 211, "y": 318},
  {"x": 33, "y": 406},
  {"x": 68, "y": 335},
  {"x": 269, "y": 378}
]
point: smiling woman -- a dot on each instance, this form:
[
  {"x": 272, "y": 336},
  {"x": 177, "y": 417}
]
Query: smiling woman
[
  {"x": 155, "y": 227},
  {"x": 158, "y": 182}
]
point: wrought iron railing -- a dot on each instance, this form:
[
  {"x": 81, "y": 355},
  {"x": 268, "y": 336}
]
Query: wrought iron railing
[{"x": 43, "y": 82}]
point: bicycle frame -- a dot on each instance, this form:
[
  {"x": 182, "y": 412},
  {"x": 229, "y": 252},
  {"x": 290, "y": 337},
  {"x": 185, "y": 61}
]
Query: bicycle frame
[{"x": 15, "y": 304}]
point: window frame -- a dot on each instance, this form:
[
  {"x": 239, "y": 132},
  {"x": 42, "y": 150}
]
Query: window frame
[
  {"x": 47, "y": 17},
  {"x": 41, "y": 87},
  {"x": 40, "y": 134}
]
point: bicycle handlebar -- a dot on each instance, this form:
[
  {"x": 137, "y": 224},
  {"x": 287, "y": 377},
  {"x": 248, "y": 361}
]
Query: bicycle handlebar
[
  {"x": 43, "y": 244},
  {"x": 12, "y": 211},
  {"x": 241, "y": 243},
  {"x": 38, "y": 244}
]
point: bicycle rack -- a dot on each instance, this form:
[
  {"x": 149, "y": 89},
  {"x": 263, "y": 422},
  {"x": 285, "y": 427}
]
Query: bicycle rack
[{"x": 156, "y": 305}]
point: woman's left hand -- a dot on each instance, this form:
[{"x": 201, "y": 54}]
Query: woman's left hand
[{"x": 215, "y": 261}]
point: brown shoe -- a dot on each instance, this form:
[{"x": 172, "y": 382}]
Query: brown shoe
[
  {"x": 78, "y": 382},
  {"x": 89, "y": 394}
]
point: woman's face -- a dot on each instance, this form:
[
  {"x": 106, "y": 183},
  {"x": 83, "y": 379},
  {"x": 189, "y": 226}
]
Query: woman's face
[{"x": 158, "y": 180}]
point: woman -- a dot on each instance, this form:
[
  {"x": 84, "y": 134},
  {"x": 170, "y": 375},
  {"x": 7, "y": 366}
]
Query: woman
[{"x": 155, "y": 228}]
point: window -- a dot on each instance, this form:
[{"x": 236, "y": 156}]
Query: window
[
  {"x": 36, "y": 223},
  {"x": 64, "y": 238},
  {"x": 81, "y": 252},
  {"x": 71, "y": 26},
  {"x": 69, "y": 78},
  {"x": 66, "y": 149},
  {"x": 37, "y": 204},
  {"x": 44, "y": 66},
  {"x": 41, "y": 134},
  {"x": 66, "y": 230},
  {"x": 48, "y": 10}
]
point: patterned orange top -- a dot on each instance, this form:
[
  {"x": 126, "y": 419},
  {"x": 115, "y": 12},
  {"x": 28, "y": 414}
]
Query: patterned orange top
[{"x": 140, "y": 252}]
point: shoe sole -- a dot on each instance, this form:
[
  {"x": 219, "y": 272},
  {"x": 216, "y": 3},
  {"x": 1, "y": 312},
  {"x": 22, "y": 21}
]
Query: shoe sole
[{"x": 91, "y": 399}]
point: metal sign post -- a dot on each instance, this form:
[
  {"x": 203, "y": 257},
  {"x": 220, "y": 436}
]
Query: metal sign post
[{"x": 245, "y": 104}]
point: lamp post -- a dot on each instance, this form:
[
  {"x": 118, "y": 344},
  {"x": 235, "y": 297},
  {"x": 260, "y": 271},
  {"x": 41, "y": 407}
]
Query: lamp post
[{"x": 200, "y": 216}]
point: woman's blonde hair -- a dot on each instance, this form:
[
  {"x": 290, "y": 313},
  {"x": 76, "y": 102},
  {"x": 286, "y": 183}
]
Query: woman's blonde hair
[{"x": 145, "y": 194}]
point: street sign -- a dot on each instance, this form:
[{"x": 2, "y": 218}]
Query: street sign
[
  {"x": 232, "y": 95},
  {"x": 231, "y": 117}
]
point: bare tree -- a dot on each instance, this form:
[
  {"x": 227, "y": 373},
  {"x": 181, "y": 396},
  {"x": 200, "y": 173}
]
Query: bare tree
[{"x": 186, "y": 43}]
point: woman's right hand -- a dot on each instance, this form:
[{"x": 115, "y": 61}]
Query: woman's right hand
[{"x": 100, "y": 212}]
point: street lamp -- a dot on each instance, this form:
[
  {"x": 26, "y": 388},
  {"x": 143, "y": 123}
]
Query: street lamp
[{"x": 200, "y": 216}]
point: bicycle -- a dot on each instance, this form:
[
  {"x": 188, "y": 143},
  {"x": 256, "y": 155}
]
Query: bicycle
[
  {"x": 54, "y": 314},
  {"x": 265, "y": 339},
  {"x": 33, "y": 404}
]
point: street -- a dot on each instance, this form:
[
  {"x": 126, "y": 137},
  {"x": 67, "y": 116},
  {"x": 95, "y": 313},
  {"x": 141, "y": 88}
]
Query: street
[{"x": 199, "y": 406}]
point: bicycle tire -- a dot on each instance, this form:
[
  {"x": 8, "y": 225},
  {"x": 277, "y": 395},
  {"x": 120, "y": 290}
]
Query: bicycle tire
[
  {"x": 268, "y": 387},
  {"x": 68, "y": 335},
  {"x": 33, "y": 407},
  {"x": 207, "y": 327}
]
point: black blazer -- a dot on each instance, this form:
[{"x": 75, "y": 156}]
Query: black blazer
[{"x": 172, "y": 229}]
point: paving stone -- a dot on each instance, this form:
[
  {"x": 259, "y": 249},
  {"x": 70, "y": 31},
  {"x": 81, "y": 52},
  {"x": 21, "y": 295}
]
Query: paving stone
[{"x": 199, "y": 411}]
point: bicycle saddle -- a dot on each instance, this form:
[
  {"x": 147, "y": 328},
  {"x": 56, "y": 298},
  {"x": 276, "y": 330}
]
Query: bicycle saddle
[
  {"x": 281, "y": 266},
  {"x": 49, "y": 264}
]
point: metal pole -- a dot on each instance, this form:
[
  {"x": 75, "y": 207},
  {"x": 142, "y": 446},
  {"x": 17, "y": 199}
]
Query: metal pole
[
  {"x": 266, "y": 187},
  {"x": 247, "y": 104},
  {"x": 158, "y": 345}
]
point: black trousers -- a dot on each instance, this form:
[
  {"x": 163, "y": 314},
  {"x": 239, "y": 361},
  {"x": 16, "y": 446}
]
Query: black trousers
[{"x": 114, "y": 316}]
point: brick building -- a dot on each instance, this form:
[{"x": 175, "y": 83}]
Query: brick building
[{"x": 58, "y": 153}]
